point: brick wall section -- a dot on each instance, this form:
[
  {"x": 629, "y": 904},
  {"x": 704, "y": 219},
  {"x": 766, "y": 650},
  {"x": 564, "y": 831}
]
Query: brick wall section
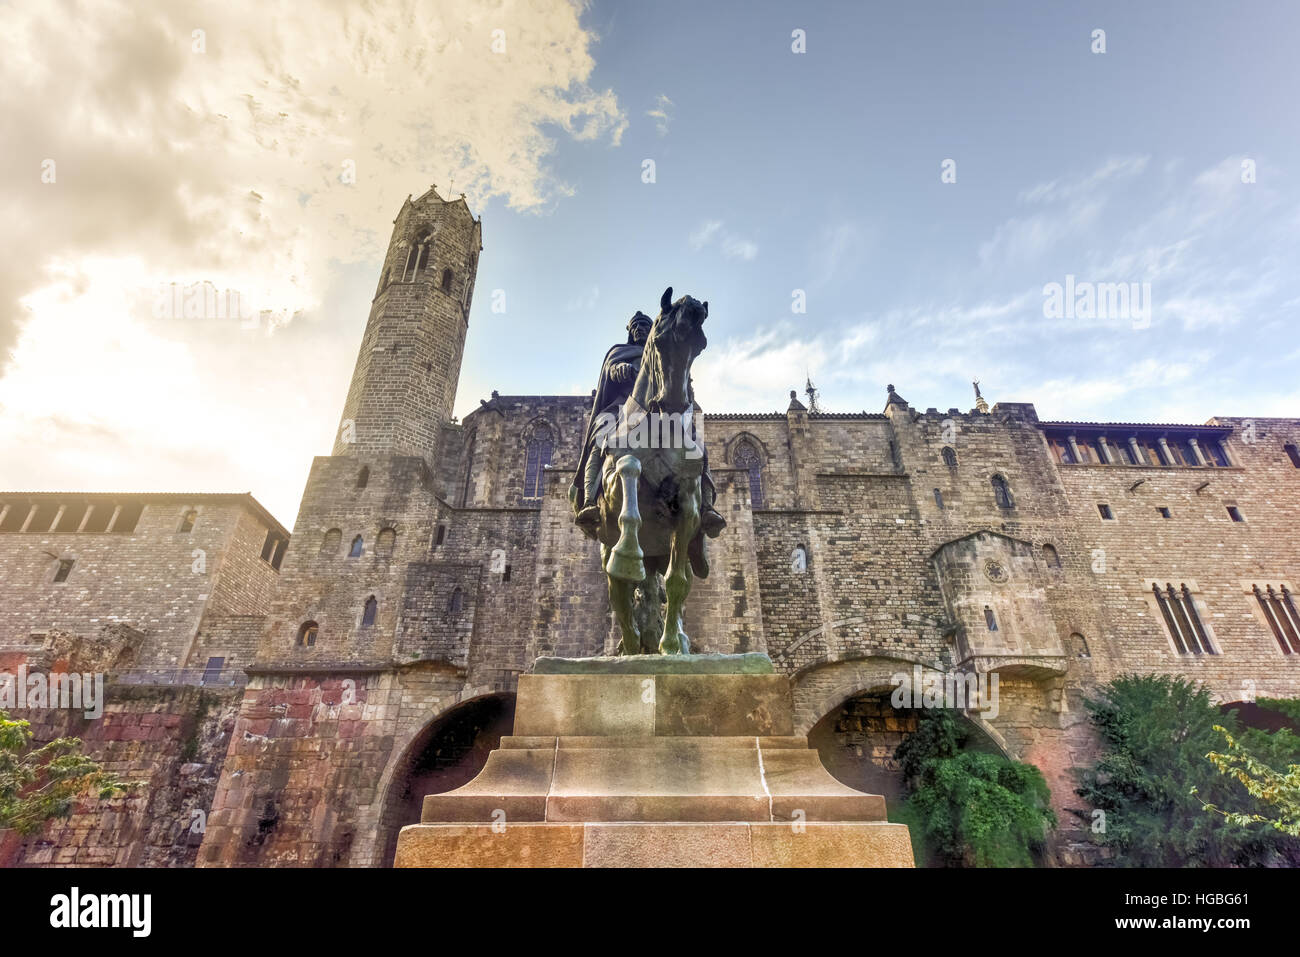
[{"x": 151, "y": 578}]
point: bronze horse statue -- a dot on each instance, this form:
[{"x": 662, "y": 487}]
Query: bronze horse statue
[{"x": 651, "y": 488}]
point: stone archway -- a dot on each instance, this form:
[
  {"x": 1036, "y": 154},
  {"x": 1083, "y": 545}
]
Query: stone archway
[{"x": 447, "y": 753}]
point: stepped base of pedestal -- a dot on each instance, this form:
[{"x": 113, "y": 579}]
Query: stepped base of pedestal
[{"x": 645, "y": 844}]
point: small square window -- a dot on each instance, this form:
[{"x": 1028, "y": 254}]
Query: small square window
[
  {"x": 1235, "y": 513},
  {"x": 1164, "y": 511},
  {"x": 1106, "y": 512}
]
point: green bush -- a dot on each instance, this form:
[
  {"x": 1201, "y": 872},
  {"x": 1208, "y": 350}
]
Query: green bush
[
  {"x": 1153, "y": 778},
  {"x": 968, "y": 808}
]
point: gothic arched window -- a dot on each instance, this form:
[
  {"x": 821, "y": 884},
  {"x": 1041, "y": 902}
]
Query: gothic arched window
[
  {"x": 949, "y": 457},
  {"x": 358, "y": 546},
  {"x": 1051, "y": 556},
  {"x": 371, "y": 612},
  {"x": 417, "y": 256},
  {"x": 330, "y": 543},
  {"x": 746, "y": 457},
  {"x": 537, "y": 455},
  {"x": 1002, "y": 492}
]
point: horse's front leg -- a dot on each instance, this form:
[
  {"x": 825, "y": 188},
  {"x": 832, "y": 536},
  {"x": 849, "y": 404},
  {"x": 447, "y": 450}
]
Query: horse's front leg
[
  {"x": 620, "y": 600},
  {"x": 677, "y": 583},
  {"x": 625, "y": 560}
]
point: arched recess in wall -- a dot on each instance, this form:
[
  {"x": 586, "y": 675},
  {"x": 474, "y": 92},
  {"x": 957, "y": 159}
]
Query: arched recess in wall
[
  {"x": 746, "y": 452},
  {"x": 446, "y": 754},
  {"x": 539, "y": 444}
]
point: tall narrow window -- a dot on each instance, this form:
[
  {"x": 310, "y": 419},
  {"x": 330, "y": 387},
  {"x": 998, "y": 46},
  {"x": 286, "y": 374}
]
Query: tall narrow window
[
  {"x": 1178, "y": 609},
  {"x": 949, "y": 457},
  {"x": 938, "y": 498},
  {"x": 363, "y": 477},
  {"x": 370, "y": 612},
  {"x": 537, "y": 456},
  {"x": 307, "y": 634},
  {"x": 1001, "y": 492},
  {"x": 1106, "y": 511},
  {"x": 990, "y": 619},
  {"x": 446, "y": 280},
  {"x": 187, "y": 522},
  {"x": 64, "y": 570},
  {"x": 358, "y": 546},
  {"x": 456, "y": 602},
  {"x": 467, "y": 488},
  {"x": 746, "y": 457},
  {"x": 1293, "y": 454},
  {"x": 385, "y": 543},
  {"x": 439, "y": 536},
  {"x": 1051, "y": 556},
  {"x": 1280, "y": 618}
]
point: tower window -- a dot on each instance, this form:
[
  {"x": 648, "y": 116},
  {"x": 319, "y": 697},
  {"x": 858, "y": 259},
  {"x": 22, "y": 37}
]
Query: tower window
[
  {"x": 439, "y": 536},
  {"x": 363, "y": 477},
  {"x": 1051, "y": 556},
  {"x": 1183, "y": 621},
  {"x": 990, "y": 619},
  {"x": 273, "y": 549},
  {"x": 456, "y": 602},
  {"x": 938, "y": 499},
  {"x": 64, "y": 570},
  {"x": 505, "y": 574},
  {"x": 446, "y": 280},
  {"x": 358, "y": 546},
  {"x": 1002, "y": 492},
  {"x": 370, "y": 612},
  {"x": 330, "y": 543},
  {"x": 1107, "y": 512},
  {"x": 949, "y": 457},
  {"x": 187, "y": 522},
  {"x": 746, "y": 457},
  {"x": 1280, "y": 613},
  {"x": 1077, "y": 646},
  {"x": 307, "y": 632},
  {"x": 1235, "y": 514},
  {"x": 1293, "y": 454}
]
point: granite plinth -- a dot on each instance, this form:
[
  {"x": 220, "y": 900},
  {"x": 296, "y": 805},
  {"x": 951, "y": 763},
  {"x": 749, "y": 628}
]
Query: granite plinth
[{"x": 654, "y": 769}]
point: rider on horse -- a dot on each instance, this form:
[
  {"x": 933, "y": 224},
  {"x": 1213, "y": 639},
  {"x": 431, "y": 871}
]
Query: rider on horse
[{"x": 617, "y": 377}]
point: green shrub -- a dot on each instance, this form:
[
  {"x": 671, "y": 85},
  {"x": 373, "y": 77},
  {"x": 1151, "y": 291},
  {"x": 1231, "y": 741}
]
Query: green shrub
[
  {"x": 1153, "y": 778},
  {"x": 968, "y": 808}
]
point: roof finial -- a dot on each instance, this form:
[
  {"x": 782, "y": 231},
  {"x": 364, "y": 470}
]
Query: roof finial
[{"x": 980, "y": 404}]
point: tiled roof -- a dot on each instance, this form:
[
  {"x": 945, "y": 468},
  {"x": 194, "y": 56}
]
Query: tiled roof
[
  {"x": 225, "y": 498},
  {"x": 1133, "y": 425}
]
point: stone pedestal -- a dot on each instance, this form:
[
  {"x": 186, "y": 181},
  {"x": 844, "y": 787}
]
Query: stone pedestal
[{"x": 654, "y": 761}]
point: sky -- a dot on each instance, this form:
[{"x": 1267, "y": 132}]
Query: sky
[{"x": 865, "y": 193}]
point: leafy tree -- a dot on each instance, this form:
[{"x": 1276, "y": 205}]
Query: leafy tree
[
  {"x": 1152, "y": 778},
  {"x": 968, "y": 808},
  {"x": 38, "y": 784},
  {"x": 1276, "y": 789}
]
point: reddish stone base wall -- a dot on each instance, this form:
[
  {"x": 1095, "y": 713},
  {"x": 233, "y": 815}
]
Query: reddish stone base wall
[{"x": 171, "y": 739}]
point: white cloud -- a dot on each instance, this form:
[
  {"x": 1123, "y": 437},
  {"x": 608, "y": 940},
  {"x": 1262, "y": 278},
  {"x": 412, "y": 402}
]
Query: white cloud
[
  {"x": 733, "y": 246},
  {"x": 174, "y": 165},
  {"x": 661, "y": 114}
]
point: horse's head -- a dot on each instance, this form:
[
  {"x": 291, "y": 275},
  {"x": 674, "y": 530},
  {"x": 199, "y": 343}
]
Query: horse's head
[{"x": 676, "y": 338}]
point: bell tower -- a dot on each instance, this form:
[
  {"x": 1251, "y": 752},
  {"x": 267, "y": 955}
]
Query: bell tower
[{"x": 404, "y": 384}]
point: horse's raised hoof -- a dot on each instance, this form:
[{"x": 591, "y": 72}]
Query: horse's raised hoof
[{"x": 712, "y": 523}]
